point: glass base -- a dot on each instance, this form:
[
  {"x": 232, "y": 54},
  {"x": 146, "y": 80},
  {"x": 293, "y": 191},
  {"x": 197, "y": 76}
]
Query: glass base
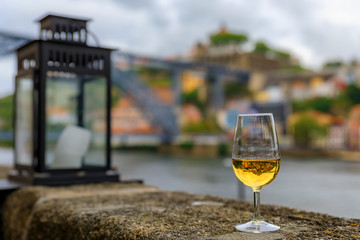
[{"x": 257, "y": 227}]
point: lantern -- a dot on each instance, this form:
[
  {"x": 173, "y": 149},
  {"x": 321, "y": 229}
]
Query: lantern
[{"x": 62, "y": 107}]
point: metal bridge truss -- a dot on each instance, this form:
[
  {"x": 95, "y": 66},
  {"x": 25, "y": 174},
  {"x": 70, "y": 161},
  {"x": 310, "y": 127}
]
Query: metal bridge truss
[
  {"x": 160, "y": 115},
  {"x": 9, "y": 42},
  {"x": 215, "y": 74}
]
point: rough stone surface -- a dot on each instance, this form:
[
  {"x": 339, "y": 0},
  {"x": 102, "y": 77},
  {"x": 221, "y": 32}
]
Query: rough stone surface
[{"x": 131, "y": 211}]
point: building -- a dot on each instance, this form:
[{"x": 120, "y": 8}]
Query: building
[
  {"x": 233, "y": 56},
  {"x": 126, "y": 118}
]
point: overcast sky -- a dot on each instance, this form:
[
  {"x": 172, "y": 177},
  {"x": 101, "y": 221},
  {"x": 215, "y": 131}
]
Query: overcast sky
[{"x": 312, "y": 30}]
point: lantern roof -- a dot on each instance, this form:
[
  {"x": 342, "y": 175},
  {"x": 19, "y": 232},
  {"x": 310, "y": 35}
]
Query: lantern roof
[{"x": 52, "y": 17}]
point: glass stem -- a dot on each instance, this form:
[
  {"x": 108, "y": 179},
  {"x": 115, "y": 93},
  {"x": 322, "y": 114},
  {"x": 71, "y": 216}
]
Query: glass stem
[{"x": 257, "y": 216}]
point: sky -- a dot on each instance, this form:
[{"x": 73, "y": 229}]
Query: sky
[{"x": 314, "y": 31}]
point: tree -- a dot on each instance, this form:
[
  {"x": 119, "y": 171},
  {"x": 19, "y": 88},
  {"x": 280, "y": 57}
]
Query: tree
[
  {"x": 193, "y": 98},
  {"x": 341, "y": 105},
  {"x": 322, "y": 104},
  {"x": 227, "y": 38},
  {"x": 205, "y": 126},
  {"x": 306, "y": 129},
  {"x": 332, "y": 64},
  {"x": 282, "y": 54},
  {"x": 261, "y": 48},
  {"x": 236, "y": 90},
  {"x": 297, "y": 69},
  {"x": 353, "y": 93}
]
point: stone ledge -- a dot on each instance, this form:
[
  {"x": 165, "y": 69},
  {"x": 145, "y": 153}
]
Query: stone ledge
[{"x": 132, "y": 211}]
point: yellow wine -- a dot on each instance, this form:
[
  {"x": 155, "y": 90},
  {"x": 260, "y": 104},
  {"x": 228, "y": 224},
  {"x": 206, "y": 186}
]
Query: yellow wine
[{"x": 256, "y": 173}]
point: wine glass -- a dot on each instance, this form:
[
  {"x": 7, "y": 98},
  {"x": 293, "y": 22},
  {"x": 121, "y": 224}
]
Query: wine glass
[{"x": 256, "y": 161}]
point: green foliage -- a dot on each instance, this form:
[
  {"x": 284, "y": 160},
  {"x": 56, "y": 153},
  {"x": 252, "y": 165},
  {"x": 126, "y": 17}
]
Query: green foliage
[
  {"x": 160, "y": 82},
  {"x": 297, "y": 69},
  {"x": 223, "y": 149},
  {"x": 282, "y": 54},
  {"x": 261, "y": 48},
  {"x": 353, "y": 93},
  {"x": 226, "y": 38},
  {"x": 236, "y": 90},
  {"x": 193, "y": 98},
  {"x": 322, "y": 104},
  {"x": 341, "y": 105},
  {"x": 345, "y": 100},
  {"x": 151, "y": 70},
  {"x": 306, "y": 129},
  {"x": 332, "y": 64},
  {"x": 6, "y": 113},
  {"x": 7, "y": 144},
  {"x": 299, "y": 106},
  {"x": 155, "y": 77},
  {"x": 205, "y": 126},
  {"x": 187, "y": 144},
  {"x": 190, "y": 97}
]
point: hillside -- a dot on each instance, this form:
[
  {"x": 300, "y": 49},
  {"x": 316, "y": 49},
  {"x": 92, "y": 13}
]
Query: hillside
[{"x": 6, "y": 111}]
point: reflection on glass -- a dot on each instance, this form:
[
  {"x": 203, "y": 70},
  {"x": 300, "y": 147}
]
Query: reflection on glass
[
  {"x": 75, "y": 121},
  {"x": 24, "y": 121},
  {"x": 61, "y": 107},
  {"x": 95, "y": 120}
]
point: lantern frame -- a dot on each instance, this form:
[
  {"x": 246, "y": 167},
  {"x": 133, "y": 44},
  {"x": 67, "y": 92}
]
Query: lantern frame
[{"x": 58, "y": 51}]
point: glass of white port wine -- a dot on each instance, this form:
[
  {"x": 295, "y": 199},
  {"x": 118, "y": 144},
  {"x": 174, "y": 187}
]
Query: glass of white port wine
[{"x": 256, "y": 161}]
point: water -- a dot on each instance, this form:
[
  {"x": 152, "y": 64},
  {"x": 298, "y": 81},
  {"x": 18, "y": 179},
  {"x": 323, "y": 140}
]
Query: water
[{"x": 319, "y": 185}]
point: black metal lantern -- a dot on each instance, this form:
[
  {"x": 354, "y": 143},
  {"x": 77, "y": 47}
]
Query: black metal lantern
[{"x": 62, "y": 107}]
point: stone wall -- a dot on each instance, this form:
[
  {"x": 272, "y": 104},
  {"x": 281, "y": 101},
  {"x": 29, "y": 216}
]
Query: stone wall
[{"x": 133, "y": 211}]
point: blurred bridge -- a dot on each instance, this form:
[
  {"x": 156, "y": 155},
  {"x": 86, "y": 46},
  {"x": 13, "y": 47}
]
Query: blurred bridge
[
  {"x": 159, "y": 114},
  {"x": 9, "y": 42}
]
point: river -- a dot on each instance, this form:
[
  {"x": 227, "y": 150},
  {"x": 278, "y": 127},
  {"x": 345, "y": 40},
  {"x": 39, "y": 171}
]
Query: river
[{"x": 321, "y": 185}]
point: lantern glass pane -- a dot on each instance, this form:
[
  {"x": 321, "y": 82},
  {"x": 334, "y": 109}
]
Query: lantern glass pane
[
  {"x": 75, "y": 121},
  {"x": 24, "y": 121},
  {"x": 95, "y": 120}
]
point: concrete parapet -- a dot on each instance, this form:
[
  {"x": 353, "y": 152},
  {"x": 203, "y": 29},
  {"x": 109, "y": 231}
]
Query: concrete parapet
[{"x": 133, "y": 211}]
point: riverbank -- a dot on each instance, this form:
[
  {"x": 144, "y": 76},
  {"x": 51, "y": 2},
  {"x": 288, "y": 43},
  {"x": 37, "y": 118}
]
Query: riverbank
[
  {"x": 344, "y": 155},
  {"x": 225, "y": 150},
  {"x": 202, "y": 146}
]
